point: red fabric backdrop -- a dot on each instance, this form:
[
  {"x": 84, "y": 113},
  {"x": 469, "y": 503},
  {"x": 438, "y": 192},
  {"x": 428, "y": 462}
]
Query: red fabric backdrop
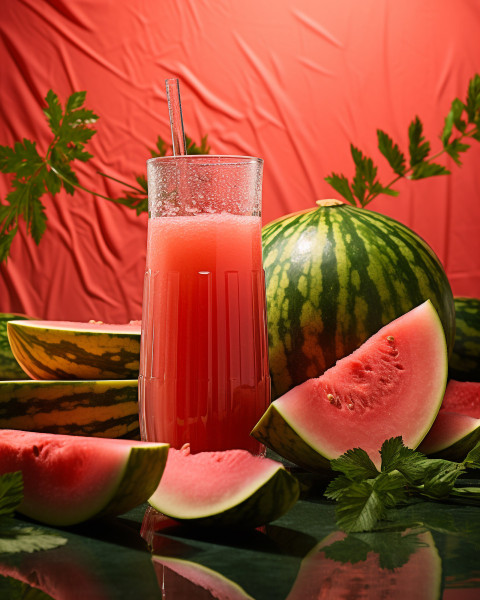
[{"x": 292, "y": 81}]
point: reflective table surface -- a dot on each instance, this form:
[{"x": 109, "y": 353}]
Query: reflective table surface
[{"x": 431, "y": 550}]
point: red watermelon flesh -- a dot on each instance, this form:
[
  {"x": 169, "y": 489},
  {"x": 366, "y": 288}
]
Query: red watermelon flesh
[
  {"x": 456, "y": 429},
  {"x": 231, "y": 488},
  {"x": 68, "y": 479},
  {"x": 391, "y": 386}
]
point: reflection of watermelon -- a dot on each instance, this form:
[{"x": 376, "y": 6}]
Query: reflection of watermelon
[
  {"x": 322, "y": 577},
  {"x": 67, "y": 350},
  {"x": 456, "y": 429},
  {"x": 334, "y": 276},
  {"x": 9, "y": 368},
  {"x": 391, "y": 386},
  {"x": 69, "y": 479},
  {"x": 184, "y": 579},
  {"x": 464, "y": 362}
]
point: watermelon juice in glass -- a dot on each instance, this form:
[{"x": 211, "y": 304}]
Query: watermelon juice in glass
[{"x": 204, "y": 375}]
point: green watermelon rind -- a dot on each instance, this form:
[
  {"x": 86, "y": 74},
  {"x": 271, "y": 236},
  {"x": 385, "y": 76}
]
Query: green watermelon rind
[
  {"x": 139, "y": 479},
  {"x": 103, "y": 408},
  {"x": 464, "y": 364},
  {"x": 454, "y": 450},
  {"x": 274, "y": 431},
  {"x": 52, "y": 350},
  {"x": 269, "y": 501}
]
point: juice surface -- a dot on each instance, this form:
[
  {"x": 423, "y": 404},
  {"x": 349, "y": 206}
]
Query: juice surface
[{"x": 204, "y": 367}]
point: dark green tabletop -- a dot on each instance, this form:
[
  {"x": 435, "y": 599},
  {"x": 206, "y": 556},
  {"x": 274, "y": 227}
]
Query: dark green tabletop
[{"x": 433, "y": 552}]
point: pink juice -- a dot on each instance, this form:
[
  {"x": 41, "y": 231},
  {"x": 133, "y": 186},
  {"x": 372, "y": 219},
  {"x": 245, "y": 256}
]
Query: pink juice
[{"x": 204, "y": 365}]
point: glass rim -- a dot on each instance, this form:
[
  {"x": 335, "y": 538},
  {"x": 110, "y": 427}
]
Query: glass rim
[{"x": 209, "y": 159}]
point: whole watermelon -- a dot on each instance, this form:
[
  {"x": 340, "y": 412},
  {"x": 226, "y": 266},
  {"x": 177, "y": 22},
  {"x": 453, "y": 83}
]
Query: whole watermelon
[
  {"x": 335, "y": 275},
  {"x": 465, "y": 358}
]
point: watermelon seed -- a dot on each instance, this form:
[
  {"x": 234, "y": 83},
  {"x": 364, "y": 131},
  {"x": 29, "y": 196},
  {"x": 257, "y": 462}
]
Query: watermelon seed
[
  {"x": 351, "y": 406},
  {"x": 36, "y": 451},
  {"x": 331, "y": 398},
  {"x": 390, "y": 338}
]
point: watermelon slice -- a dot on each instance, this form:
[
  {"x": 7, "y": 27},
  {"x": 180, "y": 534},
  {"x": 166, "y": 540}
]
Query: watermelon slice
[
  {"x": 391, "y": 386},
  {"x": 232, "y": 488},
  {"x": 456, "y": 429},
  {"x": 69, "y": 350},
  {"x": 69, "y": 479}
]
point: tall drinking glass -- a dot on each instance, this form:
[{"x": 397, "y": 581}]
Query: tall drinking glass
[{"x": 204, "y": 375}]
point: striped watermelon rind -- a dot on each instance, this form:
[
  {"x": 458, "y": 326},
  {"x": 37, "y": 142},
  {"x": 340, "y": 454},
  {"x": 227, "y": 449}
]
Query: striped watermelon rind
[
  {"x": 464, "y": 363},
  {"x": 334, "y": 276},
  {"x": 68, "y": 350},
  {"x": 102, "y": 408},
  {"x": 9, "y": 368}
]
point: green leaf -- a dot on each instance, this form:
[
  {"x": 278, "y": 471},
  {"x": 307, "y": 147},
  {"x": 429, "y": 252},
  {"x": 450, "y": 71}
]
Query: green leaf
[
  {"x": 418, "y": 148},
  {"x": 428, "y": 169},
  {"x": 75, "y": 101},
  {"x": 38, "y": 222},
  {"x": 192, "y": 147},
  {"x": 160, "y": 149},
  {"x": 396, "y": 456},
  {"x": 23, "y": 159},
  {"x": 440, "y": 477},
  {"x": 454, "y": 148},
  {"x": 341, "y": 184},
  {"x": 18, "y": 538},
  {"x": 355, "y": 464},
  {"x": 11, "y": 492},
  {"x": 359, "y": 508},
  {"x": 473, "y": 99},
  {"x": 391, "y": 151},
  {"x": 336, "y": 488},
  {"x": 472, "y": 460},
  {"x": 53, "y": 111},
  {"x": 454, "y": 117}
]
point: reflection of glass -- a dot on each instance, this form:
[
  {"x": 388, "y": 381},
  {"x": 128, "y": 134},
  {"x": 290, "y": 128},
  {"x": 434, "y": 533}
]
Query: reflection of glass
[{"x": 204, "y": 368}]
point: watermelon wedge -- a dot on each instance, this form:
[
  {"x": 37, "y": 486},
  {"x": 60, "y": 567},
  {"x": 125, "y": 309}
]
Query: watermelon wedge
[
  {"x": 456, "y": 429},
  {"x": 69, "y": 479},
  {"x": 391, "y": 386},
  {"x": 232, "y": 488},
  {"x": 69, "y": 350}
]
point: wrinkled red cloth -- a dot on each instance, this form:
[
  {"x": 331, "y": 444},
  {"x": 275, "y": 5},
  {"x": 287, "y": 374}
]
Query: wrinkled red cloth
[{"x": 293, "y": 81}]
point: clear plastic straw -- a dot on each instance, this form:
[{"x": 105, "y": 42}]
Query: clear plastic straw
[{"x": 175, "y": 112}]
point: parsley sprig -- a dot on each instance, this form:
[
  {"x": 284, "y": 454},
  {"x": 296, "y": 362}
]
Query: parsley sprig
[
  {"x": 364, "y": 494},
  {"x": 14, "y": 536},
  {"x": 38, "y": 173},
  {"x": 462, "y": 123}
]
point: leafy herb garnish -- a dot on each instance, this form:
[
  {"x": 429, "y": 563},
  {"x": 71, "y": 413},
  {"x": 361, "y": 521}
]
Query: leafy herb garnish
[
  {"x": 364, "y": 494},
  {"x": 461, "y": 123},
  {"x": 14, "y": 536},
  {"x": 36, "y": 174}
]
